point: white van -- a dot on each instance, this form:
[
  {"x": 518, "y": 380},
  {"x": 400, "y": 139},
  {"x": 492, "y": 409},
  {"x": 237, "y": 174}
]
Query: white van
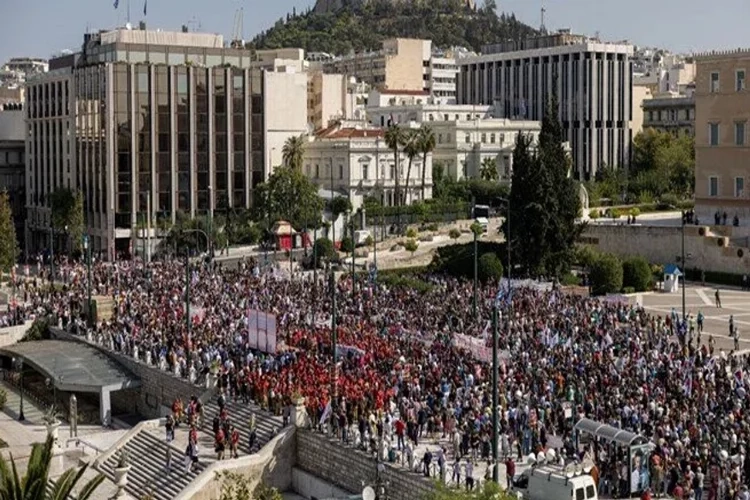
[{"x": 549, "y": 482}]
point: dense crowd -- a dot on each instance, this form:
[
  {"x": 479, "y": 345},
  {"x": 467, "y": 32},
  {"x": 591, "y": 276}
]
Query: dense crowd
[{"x": 401, "y": 378}]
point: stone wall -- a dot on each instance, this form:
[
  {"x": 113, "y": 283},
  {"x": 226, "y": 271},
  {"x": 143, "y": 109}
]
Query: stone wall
[
  {"x": 158, "y": 389},
  {"x": 662, "y": 245},
  {"x": 349, "y": 469},
  {"x": 272, "y": 465},
  {"x": 12, "y": 334}
]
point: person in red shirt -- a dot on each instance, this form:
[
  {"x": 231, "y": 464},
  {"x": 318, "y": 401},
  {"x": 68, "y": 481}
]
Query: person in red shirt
[
  {"x": 646, "y": 495},
  {"x": 219, "y": 444},
  {"x": 400, "y": 427}
]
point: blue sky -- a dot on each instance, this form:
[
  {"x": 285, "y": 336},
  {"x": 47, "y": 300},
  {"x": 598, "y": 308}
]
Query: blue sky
[{"x": 43, "y": 27}]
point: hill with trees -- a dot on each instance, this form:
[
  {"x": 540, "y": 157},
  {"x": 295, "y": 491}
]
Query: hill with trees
[{"x": 362, "y": 27}]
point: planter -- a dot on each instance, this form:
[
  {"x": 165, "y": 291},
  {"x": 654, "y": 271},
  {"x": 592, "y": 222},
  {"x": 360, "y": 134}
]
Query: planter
[
  {"x": 121, "y": 480},
  {"x": 53, "y": 430}
]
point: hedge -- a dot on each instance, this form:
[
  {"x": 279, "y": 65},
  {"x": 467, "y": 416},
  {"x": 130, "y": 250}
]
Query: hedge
[{"x": 715, "y": 277}]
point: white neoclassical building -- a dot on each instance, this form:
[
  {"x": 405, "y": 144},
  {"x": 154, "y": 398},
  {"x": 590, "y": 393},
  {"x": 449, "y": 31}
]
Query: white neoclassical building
[{"x": 352, "y": 158}]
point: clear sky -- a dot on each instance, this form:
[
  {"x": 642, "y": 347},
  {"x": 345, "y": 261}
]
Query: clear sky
[{"x": 43, "y": 27}]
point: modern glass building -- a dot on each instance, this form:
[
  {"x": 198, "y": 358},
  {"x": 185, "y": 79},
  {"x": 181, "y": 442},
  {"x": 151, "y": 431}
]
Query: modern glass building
[{"x": 150, "y": 124}]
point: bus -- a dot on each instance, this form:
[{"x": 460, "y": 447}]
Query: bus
[{"x": 481, "y": 214}]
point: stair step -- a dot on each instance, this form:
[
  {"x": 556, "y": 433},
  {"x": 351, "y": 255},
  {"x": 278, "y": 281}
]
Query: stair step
[{"x": 240, "y": 415}]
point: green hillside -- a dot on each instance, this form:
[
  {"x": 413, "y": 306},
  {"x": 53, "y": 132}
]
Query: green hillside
[{"x": 361, "y": 28}]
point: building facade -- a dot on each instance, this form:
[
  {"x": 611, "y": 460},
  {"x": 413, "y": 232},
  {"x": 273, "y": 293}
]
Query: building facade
[
  {"x": 352, "y": 158},
  {"x": 12, "y": 163},
  {"x": 465, "y": 135},
  {"x": 592, "y": 80},
  {"x": 401, "y": 64},
  {"x": 722, "y": 144},
  {"x": 146, "y": 124},
  {"x": 671, "y": 113}
]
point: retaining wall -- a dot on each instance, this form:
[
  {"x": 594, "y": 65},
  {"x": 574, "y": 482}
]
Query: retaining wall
[
  {"x": 349, "y": 469},
  {"x": 12, "y": 334}
]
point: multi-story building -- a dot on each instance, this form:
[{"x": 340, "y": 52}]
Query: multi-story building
[
  {"x": 402, "y": 64},
  {"x": 592, "y": 80},
  {"x": 465, "y": 134},
  {"x": 334, "y": 97},
  {"x": 670, "y": 112},
  {"x": 661, "y": 71},
  {"x": 352, "y": 158},
  {"x": 171, "y": 122},
  {"x": 12, "y": 171},
  {"x": 722, "y": 145}
]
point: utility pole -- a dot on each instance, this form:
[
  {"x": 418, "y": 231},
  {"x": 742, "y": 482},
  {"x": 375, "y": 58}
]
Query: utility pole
[
  {"x": 52, "y": 256},
  {"x": 187, "y": 305},
  {"x": 684, "y": 268},
  {"x": 351, "y": 221},
  {"x": 87, "y": 247},
  {"x": 494, "y": 394},
  {"x": 315, "y": 272},
  {"x": 476, "y": 265},
  {"x": 334, "y": 339}
]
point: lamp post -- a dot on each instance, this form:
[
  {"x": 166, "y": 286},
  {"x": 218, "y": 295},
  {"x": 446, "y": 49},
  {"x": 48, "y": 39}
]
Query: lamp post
[
  {"x": 334, "y": 339},
  {"x": 18, "y": 363},
  {"x": 52, "y": 255},
  {"x": 494, "y": 394},
  {"x": 87, "y": 247},
  {"x": 476, "y": 265},
  {"x": 351, "y": 222},
  {"x": 187, "y": 305},
  {"x": 682, "y": 261},
  {"x": 315, "y": 272},
  {"x": 507, "y": 230}
]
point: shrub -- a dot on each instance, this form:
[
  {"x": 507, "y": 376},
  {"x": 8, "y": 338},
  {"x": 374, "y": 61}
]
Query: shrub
[
  {"x": 369, "y": 241},
  {"x": 411, "y": 246},
  {"x": 636, "y": 274},
  {"x": 615, "y": 213},
  {"x": 432, "y": 227},
  {"x": 426, "y": 238},
  {"x": 628, "y": 290},
  {"x": 3, "y": 398},
  {"x": 606, "y": 275},
  {"x": 489, "y": 267},
  {"x": 411, "y": 233},
  {"x": 454, "y": 234},
  {"x": 477, "y": 229},
  {"x": 323, "y": 249},
  {"x": 347, "y": 244},
  {"x": 645, "y": 197},
  {"x": 39, "y": 330},
  {"x": 667, "y": 201},
  {"x": 594, "y": 213},
  {"x": 570, "y": 279},
  {"x": 635, "y": 211},
  {"x": 585, "y": 256}
]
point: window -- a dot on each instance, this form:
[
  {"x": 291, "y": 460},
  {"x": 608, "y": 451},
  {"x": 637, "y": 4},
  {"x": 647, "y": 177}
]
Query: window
[
  {"x": 432, "y": 117},
  {"x": 484, "y": 138},
  {"x": 739, "y": 133},
  {"x": 739, "y": 80},
  {"x": 492, "y": 138},
  {"x": 317, "y": 171},
  {"x": 714, "y": 82},
  {"x": 580, "y": 494},
  {"x": 590, "y": 491},
  {"x": 739, "y": 187},
  {"x": 365, "y": 173},
  {"x": 650, "y": 116},
  {"x": 446, "y": 117},
  {"x": 713, "y": 134},
  {"x": 468, "y": 138},
  {"x": 448, "y": 138},
  {"x": 440, "y": 138},
  {"x": 341, "y": 171},
  {"x": 713, "y": 186},
  {"x": 392, "y": 172}
]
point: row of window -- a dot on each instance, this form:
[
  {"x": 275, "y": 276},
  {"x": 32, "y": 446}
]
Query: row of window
[
  {"x": 739, "y": 81},
  {"x": 671, "y": 114},
  {"x": 714, "y": 133},
  {"x": 713, "y": 186},
  {"x": 310, "y": 170}
]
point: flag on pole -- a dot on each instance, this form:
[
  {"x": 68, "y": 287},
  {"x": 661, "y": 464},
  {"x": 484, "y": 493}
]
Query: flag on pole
[
  {"x": 145, "y": 6},
  {"x": 117, "y": 3}
]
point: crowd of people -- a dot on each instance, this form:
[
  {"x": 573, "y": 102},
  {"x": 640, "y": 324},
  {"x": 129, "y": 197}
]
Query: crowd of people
[{"x": 401, "y": 378}]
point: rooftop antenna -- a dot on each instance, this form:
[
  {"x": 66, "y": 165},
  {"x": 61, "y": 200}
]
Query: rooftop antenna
[
  {"x": 239, "y": 22},
  {"x": 542, "y": 28},
  {"x": 194, "y": 24}
]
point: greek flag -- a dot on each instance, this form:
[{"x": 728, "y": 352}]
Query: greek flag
[
  {"x": 117, "y": 3},
  {"x": 504, "y": 292}
]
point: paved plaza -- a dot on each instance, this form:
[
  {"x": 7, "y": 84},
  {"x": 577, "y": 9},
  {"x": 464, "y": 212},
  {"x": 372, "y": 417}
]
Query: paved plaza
[{"x": 700, "y": 298}]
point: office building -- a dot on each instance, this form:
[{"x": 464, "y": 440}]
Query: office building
[
  {"x": 670, "y": 112},
  {"x": 352, "y": 158},
  {"x": 401, "y": 64},
  {"x": 661, "y": 71},
  {"x": 722, "y": 145},
  {"x": 593, "y": 85},
  {"x": 12, "y": 163},
  {"x": 146, "y": 124}
]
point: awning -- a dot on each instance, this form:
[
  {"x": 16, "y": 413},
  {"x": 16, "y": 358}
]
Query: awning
[{"x": 609, "y": 433}]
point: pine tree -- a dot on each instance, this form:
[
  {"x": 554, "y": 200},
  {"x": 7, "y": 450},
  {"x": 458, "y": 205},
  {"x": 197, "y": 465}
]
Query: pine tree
[
  {"x": 8, "y": 243},
  {"x": 564, "y": 202}
]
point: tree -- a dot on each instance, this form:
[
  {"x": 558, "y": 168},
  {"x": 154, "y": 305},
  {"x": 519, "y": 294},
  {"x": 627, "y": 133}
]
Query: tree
[
  {"x": 605, "y": 274},
  {"x": 454, "y": 234},
  {"x": 490, "y": 491},
  {"x": 288, "y": 195},
  {"x": 411, "y": 246},
  {"x": 293, "y": 152},
  {"x": 238, "y": 487},
  {"x": 662, "y": 163},
  {"x": 426, "y": 143},
  {"x": 340, "y": 205},
  {"x": 411, "y": 150},
  {"x": 394, "y": 138},
  {"x": 636, "y": 274},
  {"x": 488, "y": 170},
  {"x": 323, "y": 249},
  {"x": 67, "y": 214},
  {"x": 8, "y": 243},
  {"x": 489, "y": 267},
  {"x": 33, "y": 485}
]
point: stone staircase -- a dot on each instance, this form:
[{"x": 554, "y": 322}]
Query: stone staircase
[
  {"x": 149, "y": 474},
  {"x": 267, "y": 425}
]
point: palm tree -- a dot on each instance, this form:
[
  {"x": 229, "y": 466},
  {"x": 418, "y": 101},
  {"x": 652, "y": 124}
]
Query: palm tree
[
  {"x": 33, "y": 485},
  {"x": 394, "y": 138},
  {"x": 293, "y": 152},
  {"x": 488, "y": 170},
  {"x": 426, "y": 144},
  {"x": 411, "y": 149}
]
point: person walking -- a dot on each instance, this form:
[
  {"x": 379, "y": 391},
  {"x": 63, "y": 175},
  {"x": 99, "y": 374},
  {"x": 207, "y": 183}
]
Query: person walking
[
  {"x": 169, "y": 426},
  {"x": 219, "y": 444},
  {"x": 234, "y": 441},
  {"x": 718, "y": 299},
  {"x": 168, "y": 465}
]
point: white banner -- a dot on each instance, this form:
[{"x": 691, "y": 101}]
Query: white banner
[
  {"x": 261, "y": 330},
  {"x": 475, "y": 346}
]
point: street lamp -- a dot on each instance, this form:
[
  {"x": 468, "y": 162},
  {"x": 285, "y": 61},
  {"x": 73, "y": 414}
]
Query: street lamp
[
  {"x": 334, "y": 337},
  {"x": 87, "y": 247},
  {"x": 507, "y": 230},
  {"x": 476, "y": 257},
  {"x": 18, "y": 363},
  {"x": 187, "y": 305},
  {"x": 495, "y": 471}
]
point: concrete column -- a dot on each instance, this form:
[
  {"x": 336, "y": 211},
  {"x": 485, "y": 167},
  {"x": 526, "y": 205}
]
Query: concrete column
[{"x": 105, "y": 407}]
